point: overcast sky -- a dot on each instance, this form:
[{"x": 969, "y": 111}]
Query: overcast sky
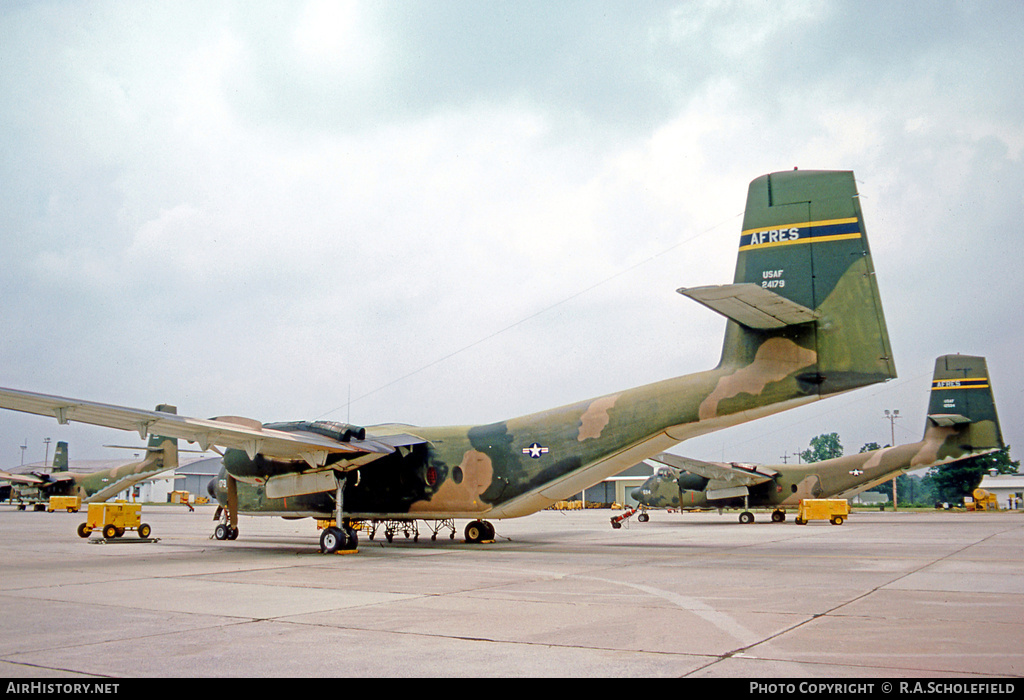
[{"x": 461, "y": 212}]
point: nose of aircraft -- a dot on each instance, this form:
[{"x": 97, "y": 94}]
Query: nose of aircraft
[
  {"x": 211, "y": 488},
  {"x": 636, "y": 494}
]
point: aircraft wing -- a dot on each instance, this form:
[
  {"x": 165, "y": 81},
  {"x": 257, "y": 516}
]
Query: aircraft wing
[
  {"x": 720, "y": 474},
  {"x": 21, "y": 478},
  {"x": 226, "y": 431}
]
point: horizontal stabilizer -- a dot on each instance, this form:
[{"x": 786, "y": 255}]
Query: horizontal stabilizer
[
  {"x": 948, "y": 419},
  {"x": 751, "y": 305}
]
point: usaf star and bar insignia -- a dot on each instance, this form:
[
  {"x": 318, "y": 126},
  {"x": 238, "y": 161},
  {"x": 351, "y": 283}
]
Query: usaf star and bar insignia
[{"x": 535, "y": 450}]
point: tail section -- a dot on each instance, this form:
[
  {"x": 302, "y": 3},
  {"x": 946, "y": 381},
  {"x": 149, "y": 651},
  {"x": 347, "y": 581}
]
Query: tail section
[
  {"x": 169, "y": 446},
  {"x": 804, "y": 293},
  {"x": 60, "y": 457},
  {"x": 962, "y": 399}
]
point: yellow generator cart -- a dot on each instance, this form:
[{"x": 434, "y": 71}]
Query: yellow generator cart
[
  {"x": 71, "y": 504},
  {"x": 114, "y": 519},
  {"x": 835, "y": 510},
  {"x": 983, "y": 500}
]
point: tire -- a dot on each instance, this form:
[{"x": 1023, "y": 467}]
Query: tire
[
  {"x": 474, "y": 532},
  {"x": 643, "y": 518},
  {"x": 233, "y": 533},
  {"x": 746, "y": 517},
  {"x": 144, "y": 530},
  {"x": 84, "y": 530},
  {"x": 332, "y": 539},
  {"x": 110, "y": 532},
  {"x": 221, "y": 532}
]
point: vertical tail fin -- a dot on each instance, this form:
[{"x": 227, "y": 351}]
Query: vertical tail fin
[
  {"x": 805, "y": 292},
  {"x": 60, "y": 457},
  {"x": 168, "y": 445},
  {"x": 962, "y": 398}
]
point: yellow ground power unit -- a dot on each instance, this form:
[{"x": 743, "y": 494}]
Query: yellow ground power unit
[
  {"x": 982, "y": 500},
  {"x": 71, "y": 504},
  {"x": 835, "y": 510},
  {"x": 114, "y": 519}
]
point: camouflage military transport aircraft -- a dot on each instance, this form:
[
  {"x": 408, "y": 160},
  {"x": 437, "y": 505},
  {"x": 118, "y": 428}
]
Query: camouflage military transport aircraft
[
  {"x": 23, "y": 488},
  {"x": 96, "y": 487},
  {"x": 805, "y": 322},
  {"x": 961, "y": 423}
]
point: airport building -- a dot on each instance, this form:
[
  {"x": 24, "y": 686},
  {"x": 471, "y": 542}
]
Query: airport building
[{"x": 1007, "y": 488}]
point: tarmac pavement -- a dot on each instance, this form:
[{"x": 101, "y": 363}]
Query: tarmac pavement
[{"x": 558, "y": 594}]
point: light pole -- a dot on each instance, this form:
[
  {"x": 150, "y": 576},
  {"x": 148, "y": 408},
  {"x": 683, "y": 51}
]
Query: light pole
[
  {"x": 892, "y": 416},
  {"x": 46, "y": 459},
  {"x": 23, "y": 448}
]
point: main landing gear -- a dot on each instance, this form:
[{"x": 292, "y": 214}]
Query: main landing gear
[
  {"x": 223, "y": 531},
  {"x": 339, "y": 539},
  {"x": 479, "y": 531}
]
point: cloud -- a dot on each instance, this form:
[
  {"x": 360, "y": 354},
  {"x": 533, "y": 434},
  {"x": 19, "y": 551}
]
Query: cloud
[{"x": 458, "y": 211}]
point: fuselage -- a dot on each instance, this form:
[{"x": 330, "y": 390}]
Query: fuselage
[
  {"x": 517, "y": 467},
  {"x": 842, "y": 476}
]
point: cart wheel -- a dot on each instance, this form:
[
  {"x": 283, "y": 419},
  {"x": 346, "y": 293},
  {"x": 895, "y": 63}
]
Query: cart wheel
[
  {"x": 144, "y": 530},
  {"x": 84, "y": 530},
  {"x": 110, "y": 532},
  {"x": 837, "y": 520}
]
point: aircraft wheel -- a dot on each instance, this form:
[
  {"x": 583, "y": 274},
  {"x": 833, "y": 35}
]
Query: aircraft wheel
[
  {"x": 110, "y": 532},
  {"x": 778, "y": 516},
  {"x": 331, "y": 540},
  {"x": 221, "y": 532},
  {"x": 351, "y": 538},
  {"x": 643, "y": 518},
  {"x": 232, "y": 533},
  {"x": 475, "y": 532},
  {"x": 746, "y": 517},
  {"x": 144, "y": 530},
  {"x": 84, "y": 530}
]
